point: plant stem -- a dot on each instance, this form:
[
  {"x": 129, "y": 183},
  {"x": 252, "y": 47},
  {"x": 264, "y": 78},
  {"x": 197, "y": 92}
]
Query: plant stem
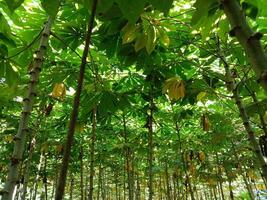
[
  {"x": 247, "y": 38},
  {"x": 13, "y": 172},
  {"x": 67, "y": 150}
]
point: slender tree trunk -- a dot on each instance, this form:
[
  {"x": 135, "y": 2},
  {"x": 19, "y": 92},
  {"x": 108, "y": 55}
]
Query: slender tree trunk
[
  {"x": 175, "y": 187},
  {"x": 92, "y": 155},
  {"x": 214, "y": 192},
  {"x": 249, "y": 189},
  {"x": 81, "y": 170},
  {"x": 230, "y": 189},
  {"x": 116, "y": 186},
  {"x": 247, "y": 38},
  {"x": 190, "y": 187},
  {"x": 248, "y": 186},
  {"x": 53, "y": 189},
  {"x": 138, "y": 187},
  {"x": 67, "y": 150},
  {"x": 195, "y": 190},
  {"x": 263, "y": 124},
  {"x": 13, "y": 172},
  {"x": 243, "y": 114},
  {"x": 27, "y": 170},
  {"x": 168, "y": 193},
  {"x": 129, "y": 162},
  {"x": 35, "y": 182},
  {"x": 124, "y": 180},
  {"x": 99, "y": 181},
  {"x": 161, "y": 188},
  {"x": 179, "y": 189},
  {"x": 220, "y": 176},
  {"x": 71, "y": 186},
  {"x": 45, "y": 176},
  {"x": 150, "y": 145},
  {"x": 103, "y": 187}
]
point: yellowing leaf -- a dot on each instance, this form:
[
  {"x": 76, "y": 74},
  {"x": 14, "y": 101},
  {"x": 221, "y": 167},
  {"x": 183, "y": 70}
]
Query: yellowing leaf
[
  {"x": 192, "y": 168},
  {"x": 251, "y": 174},
  {"x": 201, "y": 156},
  {"x": 140, "y": 42},
  {"x": 44, "y": 147},
  {"x": 151, "y": 39},
  {"x": 205, "y": 123},
  {"x": 59, "y": 91},
  {"x": 201, "y": 95},
  {"x": 211, "y": 181},
  {"x": 79, "y": 127},
  {"x": 164, "y": 38},
  {"x": 59, "y": 148},
  {"x": 175, "y": 88},
  {"x": 130, "y": 33},
  {"x": 8, "y": 138}
]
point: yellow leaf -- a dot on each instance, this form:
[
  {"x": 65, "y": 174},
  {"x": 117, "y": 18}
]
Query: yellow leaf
[
  {"x": 251, "y": 174},
  {"x": 59, "y": 91},
  {"x": 201, "y": 95},
  {"x": 175, "y": 88},
  {"x": 201, "y": 156},
  {"x": 8, "y": 138}
]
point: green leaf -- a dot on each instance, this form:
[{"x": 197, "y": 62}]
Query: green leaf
[
  {"x": 7, "y": 40},
  {"x": 202, "y": 10},
  {"x": 4, "y": 26},
  {"x": 259, "y": 107},
  {"x": 262, "y": 6},
  {"x": 131, "y": 9},
  {"x": 162, "y": 5},
  {"x": 224, "y": 28},
  {"x": 250, "y": 9},
  {"x": 51, "y": 7},
  {"x": 151, "y": 39},
  {"x": 3, "y": 51},
  {"x": 14, "y": 4},
  {"x": 140, "y": 42},
  {"x": 130, "y": 33},
  {"x": 164, "y": 38},
  {"x": 2, "y": 68},
  {"x": 104, "y": 5},
  {"x": 11, "y": 76}
]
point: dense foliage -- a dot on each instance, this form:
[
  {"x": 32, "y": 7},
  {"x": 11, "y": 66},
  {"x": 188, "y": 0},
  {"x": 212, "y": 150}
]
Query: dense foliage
[{"x": 173, "y": 103}]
